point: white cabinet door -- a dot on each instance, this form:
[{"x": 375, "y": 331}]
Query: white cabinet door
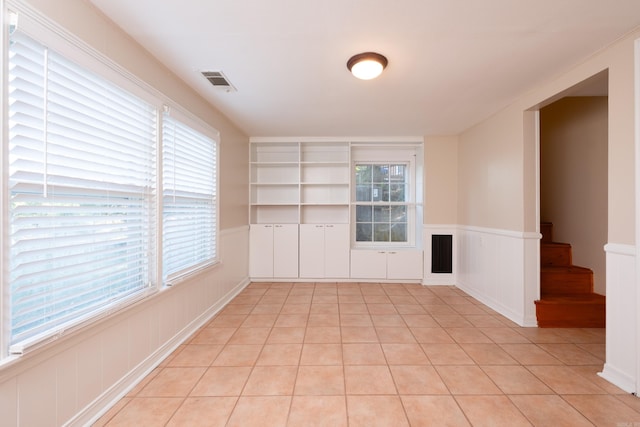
[
  {"x": 393, "y": 265},
  {"x": 404, "y": 264},
  {"x": 324, "y": 251},
  {"x": 368, "y": 264},
  {"x": 285, "y": 250},
  {"x": 336, "y": 250},
  {"x": 273, "y": 250},
  {"x": 261, "y": 250},
  {"x": 312, "y": 252}
]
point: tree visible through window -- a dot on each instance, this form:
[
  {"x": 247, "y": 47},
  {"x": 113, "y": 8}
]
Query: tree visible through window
[{"x": 382, "y": 202}]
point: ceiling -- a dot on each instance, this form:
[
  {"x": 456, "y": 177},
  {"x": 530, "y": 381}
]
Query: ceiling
[{"x": 452, "y": 63}]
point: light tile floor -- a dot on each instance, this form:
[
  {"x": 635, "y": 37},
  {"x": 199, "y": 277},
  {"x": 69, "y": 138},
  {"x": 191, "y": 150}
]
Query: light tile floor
[{"x": 349, "y": 354}]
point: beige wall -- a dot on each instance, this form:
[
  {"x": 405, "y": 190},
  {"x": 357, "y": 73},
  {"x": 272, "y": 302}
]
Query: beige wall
[
  {"x": 490, "y": 173},
  {"x": 441, "y": 180},
  {"x": 84, "y": 21},
  {"x": 83, "y": 372},
  {"x": 573, "y": 178},
  {"x": 496, "y": 180},
  {"x": 621, "y": 142},
  {"x": 234, "y": 180}
]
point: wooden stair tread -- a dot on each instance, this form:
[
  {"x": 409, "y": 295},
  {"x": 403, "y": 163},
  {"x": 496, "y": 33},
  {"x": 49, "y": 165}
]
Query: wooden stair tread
[
  {"x": 546, "y": 229},
  {"x": 564, "y": 269},
  {"x": 555, "y": 254},
  {"x": 572, "y": 311},
  {"x": 566, "y": 299},
  {"x": 552, "y": 244},
  {"x": 572, "y": 299}
]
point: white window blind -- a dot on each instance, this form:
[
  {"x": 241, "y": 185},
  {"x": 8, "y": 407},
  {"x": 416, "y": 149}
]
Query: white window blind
[
  {"x": 189, "y": 205},
  {"x": 81, "y": 189}
]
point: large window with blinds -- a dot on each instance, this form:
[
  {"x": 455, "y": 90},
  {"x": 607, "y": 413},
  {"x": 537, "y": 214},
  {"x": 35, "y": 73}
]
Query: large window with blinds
[
  {"x": 188, "y": 199},
  {"x": 83, "y": 215}
]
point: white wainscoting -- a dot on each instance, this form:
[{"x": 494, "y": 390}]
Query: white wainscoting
[
  {"x": 622, "y": 317},
  {"x": 500, "y": 268},
  {"x": 76, "y": 379}
]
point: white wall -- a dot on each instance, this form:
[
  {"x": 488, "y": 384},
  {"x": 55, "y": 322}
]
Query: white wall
[
  {"x": 491, "y": 267},
  {"x": 621, "y": 346}
]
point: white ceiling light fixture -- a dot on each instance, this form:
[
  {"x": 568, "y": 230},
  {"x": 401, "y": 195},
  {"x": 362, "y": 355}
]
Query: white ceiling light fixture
[{"x": 367, "y": 65}]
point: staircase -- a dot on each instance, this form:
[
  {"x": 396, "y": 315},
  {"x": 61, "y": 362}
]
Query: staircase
[{"x": 567, "y": 299}]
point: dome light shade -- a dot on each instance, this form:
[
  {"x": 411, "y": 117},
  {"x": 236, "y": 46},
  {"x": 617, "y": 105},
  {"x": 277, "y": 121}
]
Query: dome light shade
[{"x": 367, "y": 65}]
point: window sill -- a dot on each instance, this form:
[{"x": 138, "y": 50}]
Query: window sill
[{"x": 190, "y": 273}]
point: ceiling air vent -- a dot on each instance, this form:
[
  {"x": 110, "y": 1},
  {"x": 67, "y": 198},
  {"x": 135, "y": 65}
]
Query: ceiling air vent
[{"x": 218, "y": 80}]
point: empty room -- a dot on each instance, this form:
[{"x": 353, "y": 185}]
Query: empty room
[{"x": 342, "y": 213}]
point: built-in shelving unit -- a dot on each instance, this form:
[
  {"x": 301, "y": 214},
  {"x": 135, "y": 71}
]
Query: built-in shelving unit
[
  {"x": 324, "y": 183},
  {"x": 301, "y": 212},
  {"x": 275, "y": 183},
  {"x": 299, "y": 182}
]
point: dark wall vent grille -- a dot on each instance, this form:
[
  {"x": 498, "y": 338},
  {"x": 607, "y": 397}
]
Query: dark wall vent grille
[
  {"x": 441, "y": 253},
  {"x": 218, "y": 80}
]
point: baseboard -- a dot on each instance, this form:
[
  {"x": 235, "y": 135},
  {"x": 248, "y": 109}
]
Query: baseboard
[
  {"x": 92, "y": 412},
  {"x": 442, "y": 279},
  {"x": 496, "y": 306},
  {"x": 618, "y": 378}
]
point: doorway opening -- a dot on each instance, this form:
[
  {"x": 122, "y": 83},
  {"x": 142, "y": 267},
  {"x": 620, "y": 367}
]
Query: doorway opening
[{"x": 573, "y": 171}]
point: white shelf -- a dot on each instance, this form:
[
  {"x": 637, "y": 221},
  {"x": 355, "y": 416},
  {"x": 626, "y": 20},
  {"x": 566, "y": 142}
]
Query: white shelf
[
  {"x": 324, "y": 214},
  {"x": 286, "y": 173},
  {"x": 324, "y": 152},
  {"x": 327, "y": 163},
  {"x": 272, "y": 214},
  {"x": 275, "y": 153},
  {"x": 275, "y": 163},
  {"x": 325, "y": 174},
  {"x": 300, "y": 182},
  {"x": 275, "y": 194},
  {"x": 295, "y": 204},
  {"x": 334, "y": 184},
  {"x": 326, "y": 193}
]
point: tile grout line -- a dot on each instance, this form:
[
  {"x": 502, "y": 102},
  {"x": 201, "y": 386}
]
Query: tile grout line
[{"x": 448, "y": 297}]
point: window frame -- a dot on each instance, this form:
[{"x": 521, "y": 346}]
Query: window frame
[
  {"x": 388, "y": 154},
  {"x": 385, "y": 204},
  {"x": 81, "y": 205},
  {"x": 55, "y": 37},
  {"x": 214, "y": 136}
]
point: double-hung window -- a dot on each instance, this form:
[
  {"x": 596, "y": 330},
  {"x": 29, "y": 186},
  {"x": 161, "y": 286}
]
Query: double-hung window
[
  {"x": 81, "y": 192},
  {"x": 386, "y": 196},
  {"x": 98, "y": 180},
  {"x": 382, "y": 202},
  {"x": 189, "y": 188}
]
